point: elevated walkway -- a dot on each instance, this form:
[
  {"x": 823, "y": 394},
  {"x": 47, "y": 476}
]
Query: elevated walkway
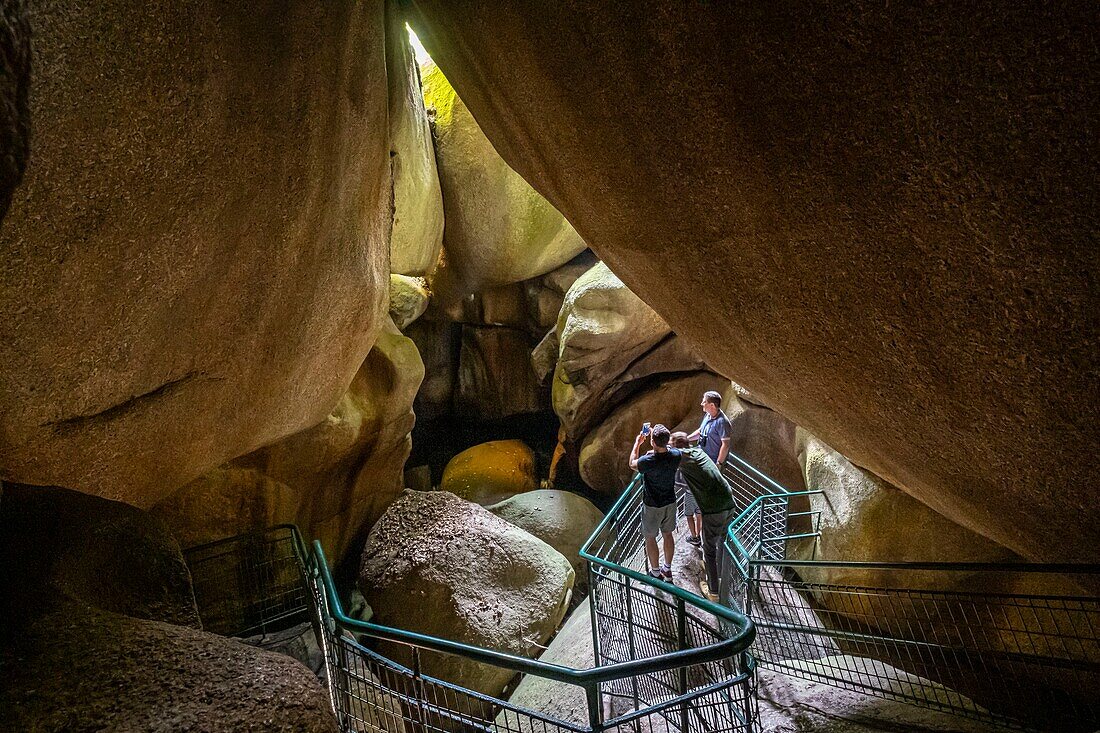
[{"x": 669, "y": 660}]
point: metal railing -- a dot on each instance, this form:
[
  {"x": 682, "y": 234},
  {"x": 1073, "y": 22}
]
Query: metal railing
[
  {"x": 636, "y": 616},
  {"x": 266, "y": 581},
  {"x": 1018, "y": 647}
]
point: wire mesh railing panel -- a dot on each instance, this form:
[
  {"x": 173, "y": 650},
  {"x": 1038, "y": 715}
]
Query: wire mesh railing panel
[
  {"x": 251, "y": 584},
  {"x": 375, "y": 695},
  {"x": 726, "y": 706},
  {"x": 1017, "y": 660}
]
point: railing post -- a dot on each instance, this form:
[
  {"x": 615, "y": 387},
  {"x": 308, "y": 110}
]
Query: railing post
[
  {"x": 419, "y": 718},
  {"x": 593, "y": 589},
  {"x": 681, "y": 644},
  {"x": 630, "y": 636},
  {"x": 595, "y": 709},
  {"x": 750, "y": 581},
  {"x": 750, "y": 690}
]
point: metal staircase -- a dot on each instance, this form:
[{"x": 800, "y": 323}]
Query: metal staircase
[{"x": 668, "y": 660}]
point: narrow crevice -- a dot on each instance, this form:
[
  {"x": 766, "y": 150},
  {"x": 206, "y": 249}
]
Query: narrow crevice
[{"x": 114, "y": 411}]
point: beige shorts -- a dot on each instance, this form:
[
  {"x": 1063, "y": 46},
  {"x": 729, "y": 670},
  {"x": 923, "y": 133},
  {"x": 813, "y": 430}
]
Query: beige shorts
[{"x": 658, "y": 519}]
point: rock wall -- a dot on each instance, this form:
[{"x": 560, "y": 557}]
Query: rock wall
[
  {"x": 610, "y": 342},
  {"x": 605, "y": 450},
  {"x": 499, "y": 230},
  {"x": 888, "y": 218},
  {"x": 206, "y": 187},
  {"x": 15, "y": 62},
  {"x": 334, "y": 480}
]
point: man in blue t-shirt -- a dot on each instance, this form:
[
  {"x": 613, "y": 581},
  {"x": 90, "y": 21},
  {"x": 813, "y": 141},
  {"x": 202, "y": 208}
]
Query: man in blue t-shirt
[
  {"x": 714, "y": 438},
  {"x": 658, "y": 469},
  {"x": 714, "y": 432}
]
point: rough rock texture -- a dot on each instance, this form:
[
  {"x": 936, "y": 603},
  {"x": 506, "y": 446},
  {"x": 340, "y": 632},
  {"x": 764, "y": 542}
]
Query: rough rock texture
[
  {"x": 441, "y": 565},
  {"x": 604, "y": 452},
  {"x": 561, "y": 279},
  {"x": 561, "y": 519},
  {"x": 763, "y": 437},
  {"x": 499, "y": 230},
  {"x": 499, "y": 305},
  {"x": 608, "y": 339},
  {"x": 795, "y": 705},
  {"x": 88, "y": 585},
  {"x": 76, "y": 668},
  {"x": 490, "y": 472},
  {"x": 571, "y": 647},
  {"x": 408, "y": 300},
  {"x": 190, "y": 271},
  {"x": 904, "y": 202},
  {"x": 544, "y": 357},
  {"x": 15, "y": 63},
  {"x": 225, "y": 502},
  {"x": 417, "y": 201},
  {"x": 543, "y": 303},
  {"x": 864, "y": 518},
  {"x": 495, "y": 376},
  {"x": 334, "y": 480}
]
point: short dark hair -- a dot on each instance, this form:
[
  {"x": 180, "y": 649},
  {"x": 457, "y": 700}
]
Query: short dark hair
[
  {"x": 715, "y": 398},
  {"x": 680, "y": 439},
  {"x": 660, "y": 435}
]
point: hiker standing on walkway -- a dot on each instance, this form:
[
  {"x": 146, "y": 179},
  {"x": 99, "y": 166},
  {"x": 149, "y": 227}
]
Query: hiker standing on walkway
[
  {"x": 658, "y": 470},
  {"x": 715, "y": 499},
  {"x": 714, "y": 438}
]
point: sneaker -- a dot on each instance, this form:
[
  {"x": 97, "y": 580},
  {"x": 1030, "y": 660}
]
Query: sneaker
[
  {"x": 694, "y": 540},
  {"x": 704, "y": 590},
  {"x": 666, "y": 572},
  {"x": 656, "y": 573}
]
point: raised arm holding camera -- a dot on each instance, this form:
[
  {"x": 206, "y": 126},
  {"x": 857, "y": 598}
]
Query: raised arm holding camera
[{"x": 658, "y": 470}]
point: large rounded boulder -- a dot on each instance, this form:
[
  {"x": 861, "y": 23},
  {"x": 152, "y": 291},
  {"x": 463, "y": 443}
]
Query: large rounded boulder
[
  {"x": 561, "y": 519},
  {"x": 499, "y": 229},
  {"x": 883, "y": 223},
  {"x": 101, "y": 631},
  {"x": 417, "y": 201},
  {"x": 863, "y": 518},
  {"x": 608, "y": 340},
  {"x": 490, "y": 472},
  {"x": 440, "y": 565},
  {"x": 195, "y": 262}
]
